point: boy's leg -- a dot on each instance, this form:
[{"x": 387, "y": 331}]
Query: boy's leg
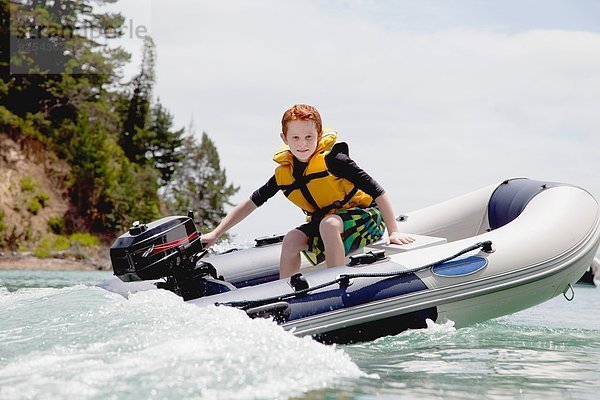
[
  {"x": 331, "y": 228},
  {"x": 294, "y": 242}
]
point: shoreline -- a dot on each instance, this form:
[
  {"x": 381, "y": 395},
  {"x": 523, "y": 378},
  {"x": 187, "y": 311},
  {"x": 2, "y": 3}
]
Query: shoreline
[{"x": 26, "y": 262}]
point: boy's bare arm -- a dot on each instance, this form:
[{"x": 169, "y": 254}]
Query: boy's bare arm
[
  {"x": 389, "y": 217},
  {"x": 236, "y": 215}
]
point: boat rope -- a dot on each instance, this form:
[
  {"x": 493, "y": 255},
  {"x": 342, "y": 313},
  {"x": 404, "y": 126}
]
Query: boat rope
[{"x": 344, "y": 279}]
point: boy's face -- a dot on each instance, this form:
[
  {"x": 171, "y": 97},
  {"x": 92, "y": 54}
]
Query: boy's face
[{"x": 302, "y": 138}]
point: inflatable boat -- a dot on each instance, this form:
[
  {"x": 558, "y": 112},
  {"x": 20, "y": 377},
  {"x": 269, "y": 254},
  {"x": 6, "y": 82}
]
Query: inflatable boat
[{"x": 488, "y": 253}]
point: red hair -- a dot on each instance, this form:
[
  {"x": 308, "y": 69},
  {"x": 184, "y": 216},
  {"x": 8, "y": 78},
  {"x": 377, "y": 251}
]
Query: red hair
[{"x": 302, "y": 112}]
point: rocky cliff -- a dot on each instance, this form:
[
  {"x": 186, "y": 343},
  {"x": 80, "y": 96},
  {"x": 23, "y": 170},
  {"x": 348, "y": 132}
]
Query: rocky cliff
[{"x": 33, "y": 191}]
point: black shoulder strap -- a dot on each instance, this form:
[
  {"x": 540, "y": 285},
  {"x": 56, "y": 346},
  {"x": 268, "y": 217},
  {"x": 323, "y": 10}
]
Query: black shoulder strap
[
  {"x": 341, "y": 147},
  {"x": 301, "y": 182}
]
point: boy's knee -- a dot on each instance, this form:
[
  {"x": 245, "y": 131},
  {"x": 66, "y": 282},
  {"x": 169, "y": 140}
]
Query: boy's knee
[
  {"x": 331, "y": 224},
  {"x": 294, "y": 240}
]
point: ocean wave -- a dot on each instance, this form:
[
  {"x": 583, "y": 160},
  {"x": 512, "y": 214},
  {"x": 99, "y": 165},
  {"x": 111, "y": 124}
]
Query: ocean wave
[{"x": 84, "y": 342}]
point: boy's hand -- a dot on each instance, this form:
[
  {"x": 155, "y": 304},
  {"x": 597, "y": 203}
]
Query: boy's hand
[
  {"x": 398, "y": 238},
  {"x": 208, "y": 239}
]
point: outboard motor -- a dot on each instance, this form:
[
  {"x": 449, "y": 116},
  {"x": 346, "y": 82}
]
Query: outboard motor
[{"x": 167, "y": 248}]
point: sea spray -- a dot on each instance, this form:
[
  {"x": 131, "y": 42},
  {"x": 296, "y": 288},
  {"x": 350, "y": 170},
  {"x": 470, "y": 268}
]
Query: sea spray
[
  {"x": 84, "y": 342},
  {"x": 94, "y": 344}
]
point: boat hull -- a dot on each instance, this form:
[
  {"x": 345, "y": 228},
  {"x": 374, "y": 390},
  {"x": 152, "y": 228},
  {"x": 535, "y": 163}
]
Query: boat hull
[{"x": 543, "y": 238}]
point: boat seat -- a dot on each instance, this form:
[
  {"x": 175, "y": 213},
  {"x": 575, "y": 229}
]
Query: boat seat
[
  {"x": 421, "y": 241},
  {"x": 510, "y": 199}
]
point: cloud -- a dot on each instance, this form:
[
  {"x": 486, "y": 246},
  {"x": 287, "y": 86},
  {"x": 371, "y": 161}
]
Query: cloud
[{"x": 430, "y": 114}]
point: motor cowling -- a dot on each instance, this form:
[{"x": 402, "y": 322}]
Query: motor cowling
[{"x": 155, "y": 250}]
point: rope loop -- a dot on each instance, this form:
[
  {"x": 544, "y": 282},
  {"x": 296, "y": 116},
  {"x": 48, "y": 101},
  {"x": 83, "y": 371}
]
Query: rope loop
[{"x": 344, "y": 280}]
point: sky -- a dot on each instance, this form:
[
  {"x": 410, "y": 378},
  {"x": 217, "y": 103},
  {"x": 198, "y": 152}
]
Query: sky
[{"x": 436, "y": 98}]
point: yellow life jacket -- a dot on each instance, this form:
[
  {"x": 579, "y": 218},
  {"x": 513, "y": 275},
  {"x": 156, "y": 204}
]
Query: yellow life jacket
[{"x": 318, "y": 192}]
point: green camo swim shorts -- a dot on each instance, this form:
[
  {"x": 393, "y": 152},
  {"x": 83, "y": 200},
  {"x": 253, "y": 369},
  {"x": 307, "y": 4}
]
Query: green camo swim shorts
[{"x": 362, "y": 226}]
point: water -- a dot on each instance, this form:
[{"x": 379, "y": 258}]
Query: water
[{"x": 62, "y": 338}]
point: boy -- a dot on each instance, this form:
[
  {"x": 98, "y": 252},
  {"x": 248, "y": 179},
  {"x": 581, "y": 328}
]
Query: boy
[{"x": 346, "y": 209}]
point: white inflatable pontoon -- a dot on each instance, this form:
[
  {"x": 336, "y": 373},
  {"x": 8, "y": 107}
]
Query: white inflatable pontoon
[{"x": 491, "y": 252}]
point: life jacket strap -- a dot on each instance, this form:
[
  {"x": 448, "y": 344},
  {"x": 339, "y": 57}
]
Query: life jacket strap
[
  {"x": 338, "y": 204},
  {"x": 301, "y": 182}
]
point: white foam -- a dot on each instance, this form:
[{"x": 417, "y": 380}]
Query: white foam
[
  {"x": 156, "y": 345},
  {"x": 433, "y": 328},
  {"x": 226, "y": 244},
  {"x": 116, "y": 285}
]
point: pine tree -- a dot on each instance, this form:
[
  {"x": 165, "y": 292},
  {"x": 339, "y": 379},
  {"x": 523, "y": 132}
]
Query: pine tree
[
  {"x": 199, "y": 183},
  {"x": 59, "y": 68},
  {"x": 134, "y": 138},
  {"x": 148, "y": 137},
  {"x": 121, "y": 146},
  {"x": 163, "y": 145},
  {"x": 109, "y": 191},
  {"x": 90, "y": 164}
]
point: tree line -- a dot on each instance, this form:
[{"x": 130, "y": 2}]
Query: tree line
[{"x": 128, "y": 161}]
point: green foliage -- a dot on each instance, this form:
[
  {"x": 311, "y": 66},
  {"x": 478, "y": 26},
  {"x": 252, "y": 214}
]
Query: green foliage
[
  {"x": 2, "y": 225},
  {"x": 90, "y": 164},
  {"x": 120, "y": 145},
  {"x": 34, "y": 206},
  {"x": 51, "y": 244},
  {"x": 39, "y": 199},
  {"x": 109, "y": 190},
  {"x": 83, "y": 240},
  {"x": 8, "y": 120},
  {"x": 56, "y": 225},
  {"x": 130, "y": 195},
  {"x": 43, "y": 199},
  {"x": 148, "y": 137},
  {"x": 60, "y": 68},
  {"x": 199, "y": 183},
  {"x": 43, "y": 249},
  {"x": 133, "y": 138},
  {"x": 13, "y": 124},
  {"x": 163, "y": 145},
  {"x": 27, "y": 184},
  {"x": 60, "y": 243}
]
